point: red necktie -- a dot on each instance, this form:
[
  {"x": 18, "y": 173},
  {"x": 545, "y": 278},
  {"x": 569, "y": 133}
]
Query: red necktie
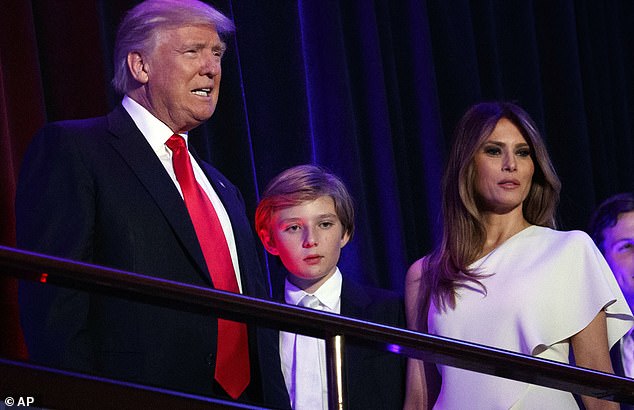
[{"x": 232, "y": 355}]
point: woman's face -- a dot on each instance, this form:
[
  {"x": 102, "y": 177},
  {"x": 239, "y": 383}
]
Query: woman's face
[{"x": 503, "y": 169}]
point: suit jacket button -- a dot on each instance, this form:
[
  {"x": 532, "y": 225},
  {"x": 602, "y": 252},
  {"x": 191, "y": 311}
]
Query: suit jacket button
[{"x": 210, "y": 359}]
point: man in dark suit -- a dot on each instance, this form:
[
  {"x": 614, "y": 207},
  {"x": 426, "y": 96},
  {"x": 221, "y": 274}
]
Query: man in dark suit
[
  {"x": 123, "y": 191},
  {"x": 305, "y": 217},
  {"x": 612, "y": 228}
]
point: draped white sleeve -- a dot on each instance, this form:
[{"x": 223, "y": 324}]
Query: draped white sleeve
[{"x": 544, "y": 287}]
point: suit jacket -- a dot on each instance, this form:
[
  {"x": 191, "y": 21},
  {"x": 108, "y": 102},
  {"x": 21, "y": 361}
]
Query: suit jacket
[
  {"x": 93, "y": 190},
  {"x": 375, "y": 378},
  {"x": 617, "y": 366}
]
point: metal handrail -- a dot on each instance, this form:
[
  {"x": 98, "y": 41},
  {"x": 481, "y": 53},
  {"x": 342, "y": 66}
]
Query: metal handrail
[{"x": 470, "y": 356}]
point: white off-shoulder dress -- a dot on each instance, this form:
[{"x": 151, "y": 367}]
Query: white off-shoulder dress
[{"x": 544, "y": 287}]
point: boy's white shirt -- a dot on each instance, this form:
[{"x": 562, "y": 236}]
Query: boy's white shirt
[{"x": 329, "y": 295}]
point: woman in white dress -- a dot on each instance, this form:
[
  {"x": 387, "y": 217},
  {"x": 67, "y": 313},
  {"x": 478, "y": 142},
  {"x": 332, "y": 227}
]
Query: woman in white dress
[{"x": 503, "y": 277}]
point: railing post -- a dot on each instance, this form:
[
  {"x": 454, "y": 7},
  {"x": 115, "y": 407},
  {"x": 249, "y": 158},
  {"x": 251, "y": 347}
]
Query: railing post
[{"x": 337, "y": 383}]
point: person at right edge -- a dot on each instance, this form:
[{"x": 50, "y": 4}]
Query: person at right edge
[
  {"x": 612, "y": 228},
  {"x": 504, "y": 277}
]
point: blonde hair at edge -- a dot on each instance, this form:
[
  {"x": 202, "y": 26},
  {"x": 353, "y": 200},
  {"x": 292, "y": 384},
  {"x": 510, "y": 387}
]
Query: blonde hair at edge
[{"x": 463, "y": 238}]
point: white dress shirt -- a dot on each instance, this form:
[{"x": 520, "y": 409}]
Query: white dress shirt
[
  {"x": 329, "y": 295},
  {"x": 627, "y": 353},
  {"x": 157, "y": 133}
]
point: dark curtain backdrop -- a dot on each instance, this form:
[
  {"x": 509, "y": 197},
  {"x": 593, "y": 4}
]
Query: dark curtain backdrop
[{"x": 369, "y": 89}]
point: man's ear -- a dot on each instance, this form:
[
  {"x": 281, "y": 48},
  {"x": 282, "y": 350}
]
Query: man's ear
[
  {"x": 268, "y": 242},
  {"x": 137, "y": 67}
]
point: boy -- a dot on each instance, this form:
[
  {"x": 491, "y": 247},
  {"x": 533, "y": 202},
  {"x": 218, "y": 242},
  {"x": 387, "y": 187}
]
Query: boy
[
  {"x": 612, "y": 228},
  {"x": 306, "y": 217}
]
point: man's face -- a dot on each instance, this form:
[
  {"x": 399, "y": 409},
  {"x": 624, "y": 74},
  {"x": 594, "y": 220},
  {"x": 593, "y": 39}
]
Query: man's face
[
  {"x": 618, "y": 245},
  {"x": 183, "y": 76}
]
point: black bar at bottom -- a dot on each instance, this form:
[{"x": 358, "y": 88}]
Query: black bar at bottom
[{"x": 39, "y": 386}]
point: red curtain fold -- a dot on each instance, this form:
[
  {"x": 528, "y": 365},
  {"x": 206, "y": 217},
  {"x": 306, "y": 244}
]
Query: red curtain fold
[{"x": 21, "y": 114}]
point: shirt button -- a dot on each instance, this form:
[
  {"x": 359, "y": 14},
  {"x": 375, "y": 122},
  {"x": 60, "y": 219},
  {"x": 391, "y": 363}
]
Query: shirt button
[{"x": 210, "y": 359}]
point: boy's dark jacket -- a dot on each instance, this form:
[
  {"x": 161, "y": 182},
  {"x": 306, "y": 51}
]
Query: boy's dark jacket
[{"x": 376, "y": 379}]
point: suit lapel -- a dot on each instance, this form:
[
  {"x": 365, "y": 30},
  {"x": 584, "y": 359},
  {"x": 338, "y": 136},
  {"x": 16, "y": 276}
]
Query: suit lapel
[
  {"x": 227, "y": 198},
  {"x": 354, "y": 303},
  {"x": 138, "y": 154},
  {"x": 231, "y": 199},
  {"x": 354, "y": 299}
]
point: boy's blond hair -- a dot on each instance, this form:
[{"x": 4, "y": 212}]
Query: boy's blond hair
[{"x": 301, "y": 184}]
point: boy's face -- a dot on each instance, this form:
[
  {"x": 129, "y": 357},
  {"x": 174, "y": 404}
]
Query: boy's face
[{"x": 308, "y": 239}]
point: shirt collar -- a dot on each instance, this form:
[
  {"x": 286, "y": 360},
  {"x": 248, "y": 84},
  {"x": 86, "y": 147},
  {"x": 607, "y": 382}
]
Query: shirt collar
[
  {"x": 328, "y": 293},
  {"x": 154, "y": 130}
]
